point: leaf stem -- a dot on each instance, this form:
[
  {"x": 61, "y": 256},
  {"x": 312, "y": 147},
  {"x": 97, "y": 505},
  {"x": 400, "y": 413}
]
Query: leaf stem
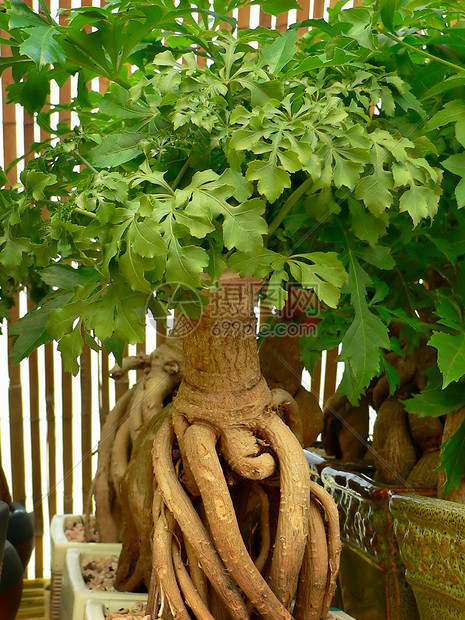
[
  {"x": 181, "y": 173},
  {"x": 423, "y": 53},
  {"x": 85, "y": 162},
  {"x": 288, "y": 205},
  {"x": 85, "y": 212}
]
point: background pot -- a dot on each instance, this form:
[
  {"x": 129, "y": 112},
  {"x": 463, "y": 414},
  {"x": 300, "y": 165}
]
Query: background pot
[
  {"x": 59, "y": 545},
  {"x": 372, "y": 584},
  {"x": 431, "y": 537}
]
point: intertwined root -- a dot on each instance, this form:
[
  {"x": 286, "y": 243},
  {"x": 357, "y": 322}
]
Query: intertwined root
[
  {"x": 137, "y": 408},
  {"x": 200, "y": 551}
]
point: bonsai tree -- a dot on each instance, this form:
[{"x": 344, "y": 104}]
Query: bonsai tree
[
  {"x": 417, "y": 289},
  {"x": 216, "y": 166}
]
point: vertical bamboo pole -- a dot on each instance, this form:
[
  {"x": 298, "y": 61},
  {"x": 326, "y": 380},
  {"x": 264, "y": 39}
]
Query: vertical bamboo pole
[
  {"x": 161, "y": 334},
  {"x": 122, "y": 383},
  {"x": 316, "y": 380},
  {"x": 15, "y": 405},
  {"x": 67, "y": 415},
  {"x": 244, "y": 18},
  {"x": 104, "y": 387},
  {"x": 140, "y": 350},
  {"x": 330, "y": 373},
  {"x": 265, "y": 19},
  {"x": 36, "y": 461},
  {"x": 51, "y": 431},
  {"x": 318, "y": 8},
  {"x": 86, "y": 421},
  {"x": 15, "y": 399},
  {"x": 302, "y": 14}
]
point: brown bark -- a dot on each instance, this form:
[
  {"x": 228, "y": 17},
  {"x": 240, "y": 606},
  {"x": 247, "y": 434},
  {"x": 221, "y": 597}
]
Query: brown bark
[
  {"x": 216, "y": 544},
  {"x": 393, "y": 448}
]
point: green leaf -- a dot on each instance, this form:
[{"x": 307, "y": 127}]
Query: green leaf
[
  {"x": 436, "y": 401},
  {"x": 255, "y": 264},
  {"x": 116, "y": 346},
  {"x": 116, "y": 149},
  {"x": 451, "y": 355},
  {"x": 452, "y": 112},
  {"x": 419, "y": 202},
  {"x": 375, "y": 189},
  {"x": 281, "y": 51},
  {"x": 391, "y": 375},
  {"x": 70, "y": 347},
  {"x": 66, "y": 277},
  {"x": 379, "y": 256},
  {"x": 244, "y": 226},
  {"x": 452, "y": 460},
  {"x": 41, "y": 46},
  {"x": 364, "y": 225},
  {"x": 145, "y": 238},
  {"x": 133, "y": 268},
  {"x": 276, "y": 7},
  {"x": 185, "y": 264},
  {"x": 363, "y": 341},
  {"x": 30, "y": 331},
  {"x": 272, "y": 181},
  {"x": 325, "y": 276},
  {"x": 456, "y": 165}
]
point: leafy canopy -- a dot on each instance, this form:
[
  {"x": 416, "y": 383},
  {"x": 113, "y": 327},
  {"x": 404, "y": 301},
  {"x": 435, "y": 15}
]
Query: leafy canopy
[{"x": 333, "y": 161}]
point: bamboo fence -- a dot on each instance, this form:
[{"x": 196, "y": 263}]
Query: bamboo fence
[{"x": 50, "y": 421}]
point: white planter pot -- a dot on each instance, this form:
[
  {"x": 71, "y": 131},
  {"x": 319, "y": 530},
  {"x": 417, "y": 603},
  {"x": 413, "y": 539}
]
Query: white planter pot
[
  {"x": 75, "y": 594},
  {"x": 96, "y": 610},
  {"x": 59, "y": 545}
]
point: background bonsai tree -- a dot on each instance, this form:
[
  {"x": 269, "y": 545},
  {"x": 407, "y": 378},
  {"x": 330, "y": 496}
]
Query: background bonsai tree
[
  {"x": 223, "y": 153},
  {"x": 416, "y": 288}
]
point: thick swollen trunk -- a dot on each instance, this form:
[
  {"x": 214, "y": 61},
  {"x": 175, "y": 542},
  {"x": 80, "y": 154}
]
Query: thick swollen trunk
[{"x": 225, "y": 441}]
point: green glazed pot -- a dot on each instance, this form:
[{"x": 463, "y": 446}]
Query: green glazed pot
[
  {"x": 372, "y": 582},
  {"x": 431, "y": 538}
]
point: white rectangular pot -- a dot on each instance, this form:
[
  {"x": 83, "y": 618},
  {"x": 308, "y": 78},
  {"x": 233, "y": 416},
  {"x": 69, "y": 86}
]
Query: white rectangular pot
[
  {"x": 98, "y": 611},
  {"x": 59, "y": 545},
  {"x": 75, "y": 593}
]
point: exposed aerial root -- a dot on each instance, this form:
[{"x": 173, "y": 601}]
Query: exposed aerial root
[
  {"x": 192, "y": 527},
  {"x": 288, "y": 410},
  {"x": 265, "y": 534},
  {"x": 196, "y": 573},
  {"x": 201, "y": 452},
  {"x": 189, "y": 591},
  {"x": 313, "y": 577},
  {"x": 164, "y": 567},
  {"x": 292, "y": 528},
  {"x": 333, "y": 539},
  {"x": 107, "y": 518}
]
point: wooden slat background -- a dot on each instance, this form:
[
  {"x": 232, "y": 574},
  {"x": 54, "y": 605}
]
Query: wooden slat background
[{"x": 44, "y": 409}]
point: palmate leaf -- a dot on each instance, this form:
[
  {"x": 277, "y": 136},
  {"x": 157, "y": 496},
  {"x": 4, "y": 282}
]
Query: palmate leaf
[
  {"x": 42, "y": 47},
  {"x": 281, "y": 51},
  {"x": 133, "y": 268},
  {"x": 272, "y": 181},
  {"x": 185, "y": 264},
  {"x": 456, "y": 165},
  {"x": 30, "y": 331},
  {"x": 70, "y": 347},
  {"x": 326, "y": 275},
  {"x": 452, "y": 459},
  {"x": 363, "y": 341},
  {"x": 374, "y": 188},
  {"x": 451, "y": 355},
  {"x": 243, "y": 224},
  {"x": 116, "y": 149},
  {"x": 436, "y": 401}
]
